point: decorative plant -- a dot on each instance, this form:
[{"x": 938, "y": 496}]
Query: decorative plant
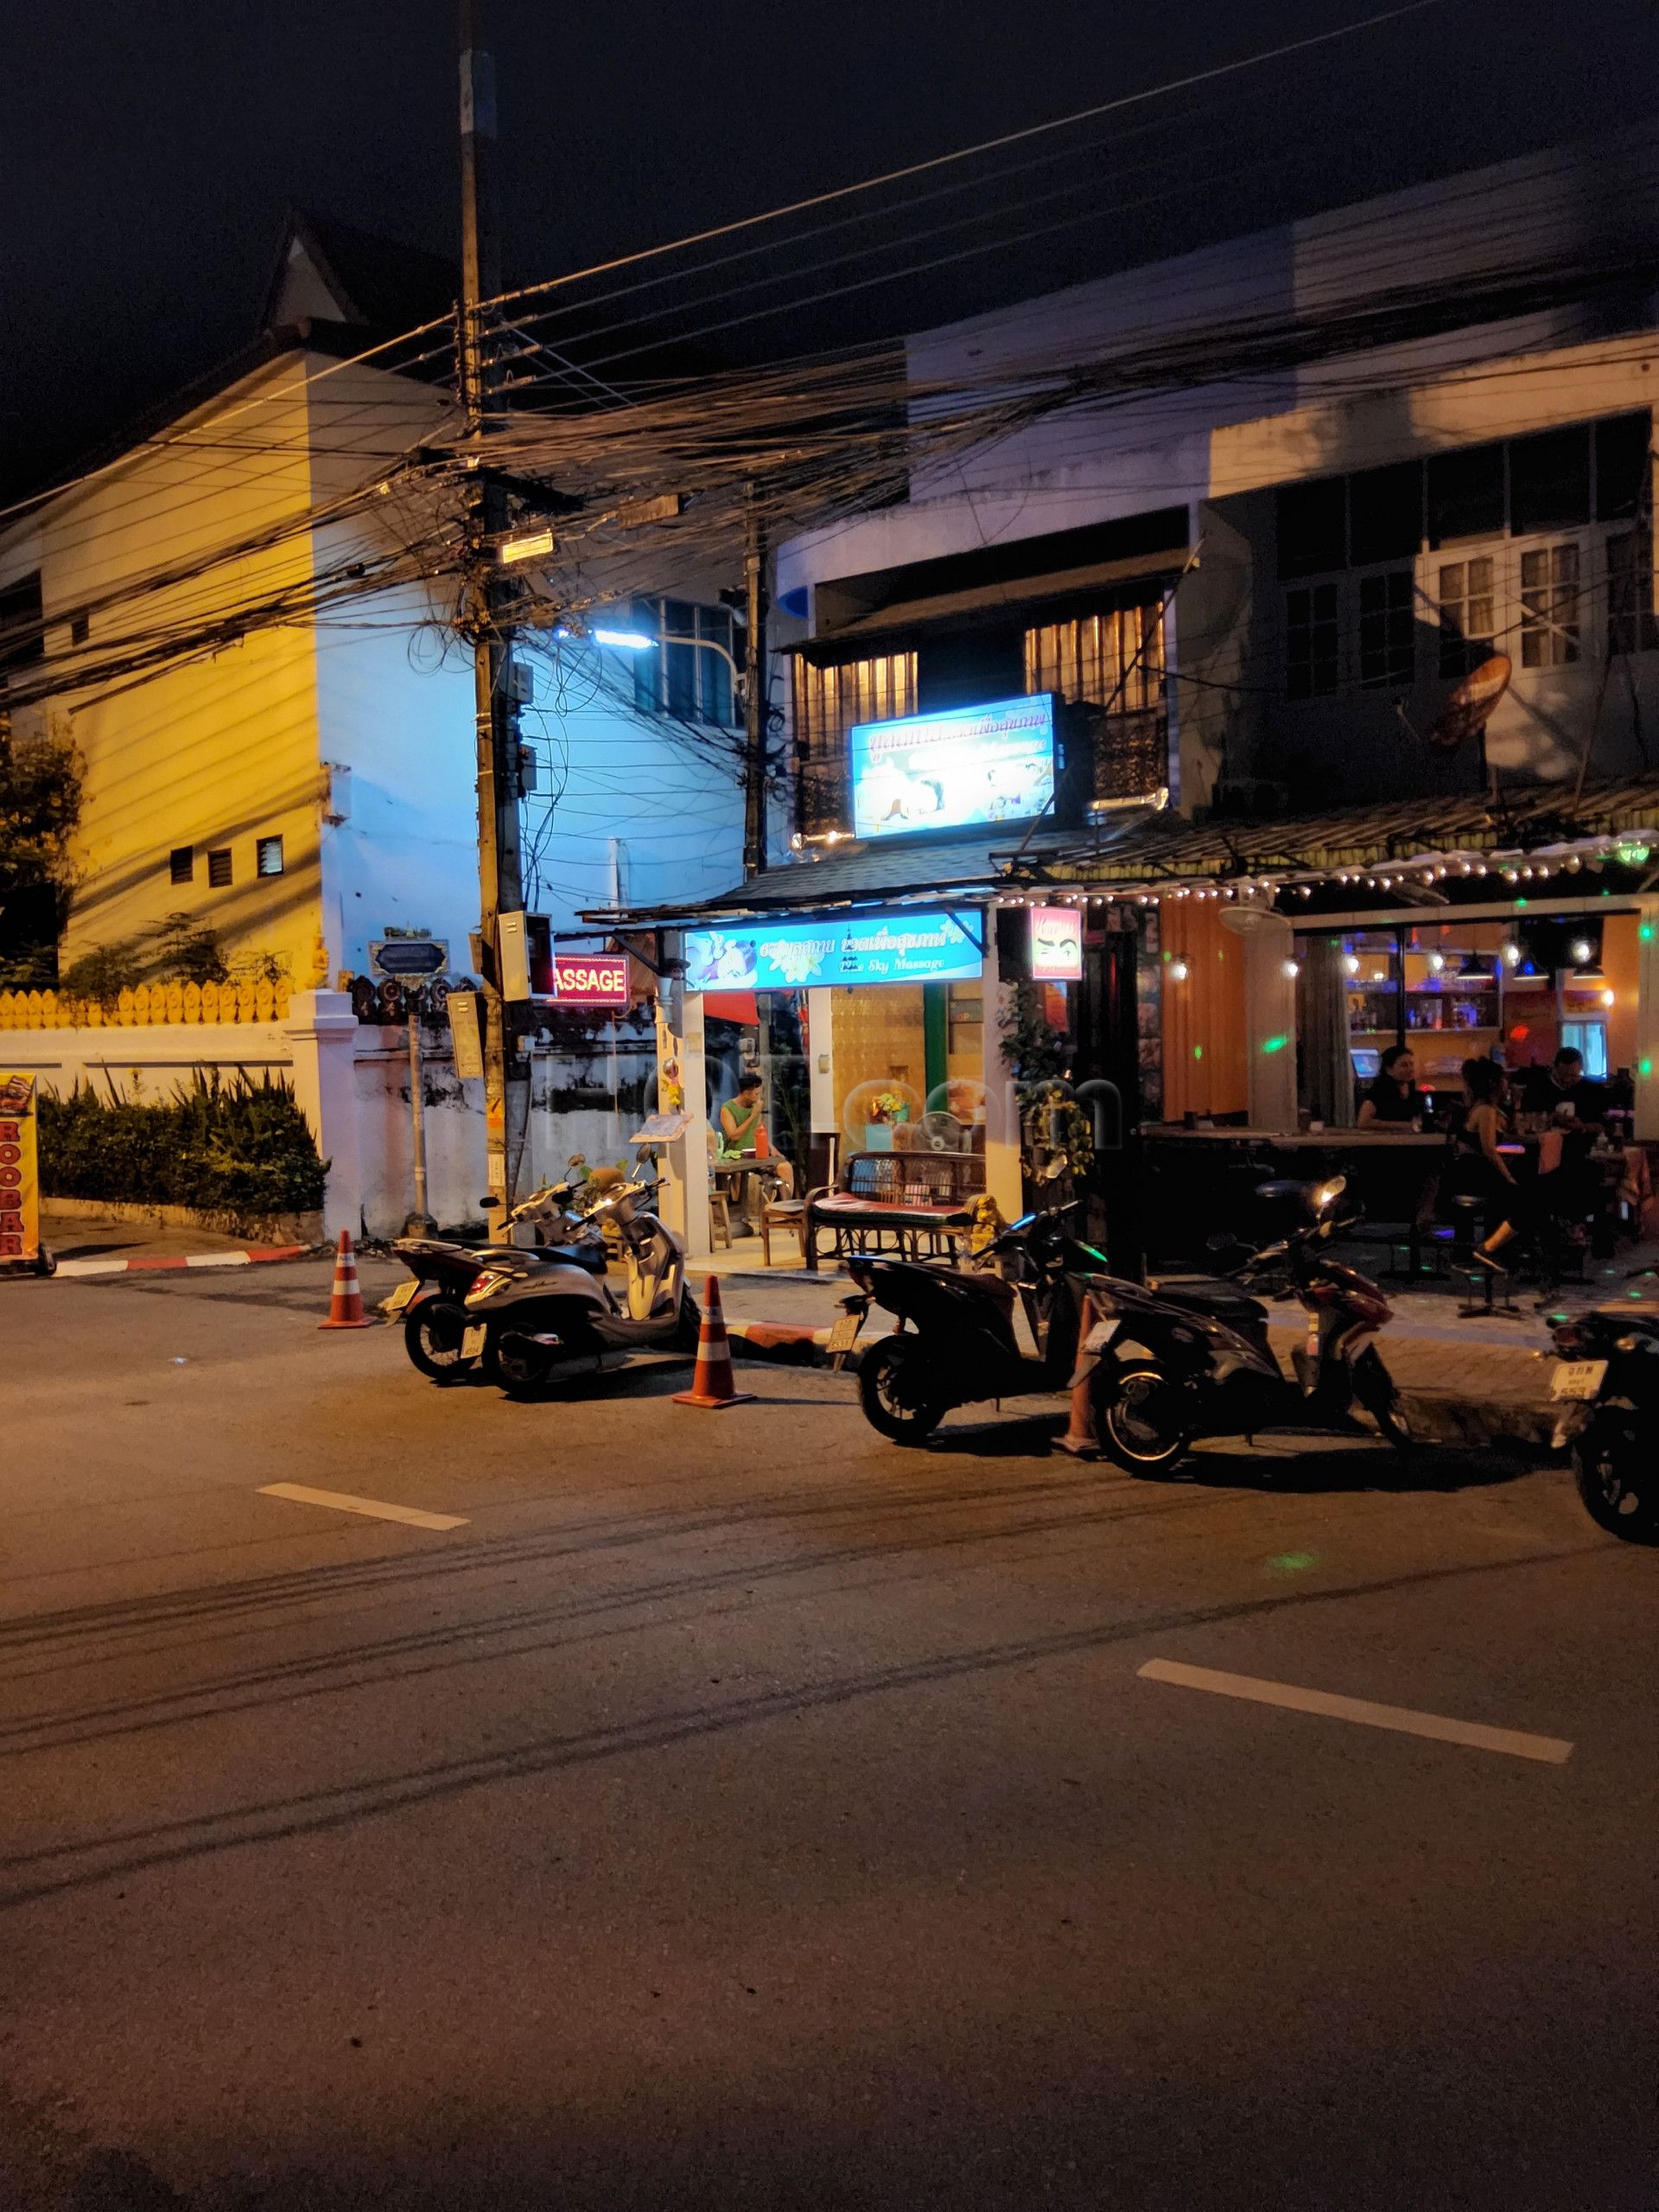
[{"x": 233, "y": 1145}]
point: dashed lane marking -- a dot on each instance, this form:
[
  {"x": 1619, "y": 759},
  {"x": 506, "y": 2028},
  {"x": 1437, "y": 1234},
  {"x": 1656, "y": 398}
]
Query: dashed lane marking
[
  {"x": 372, "y": 1507},
  {"x": 1551, "y": 1750}
]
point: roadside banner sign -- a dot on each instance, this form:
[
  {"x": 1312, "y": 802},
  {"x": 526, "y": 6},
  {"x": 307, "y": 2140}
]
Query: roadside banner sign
[
  {"x": 409, "y": 956},
  {"x": 590, "y": 978},
  {"x": 20, "y": 1181}
]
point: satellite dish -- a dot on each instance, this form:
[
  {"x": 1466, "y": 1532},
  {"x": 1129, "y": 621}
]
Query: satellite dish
[
  {"x": 1469, "y": 709},
  {"x": 1254, "y": 921}
]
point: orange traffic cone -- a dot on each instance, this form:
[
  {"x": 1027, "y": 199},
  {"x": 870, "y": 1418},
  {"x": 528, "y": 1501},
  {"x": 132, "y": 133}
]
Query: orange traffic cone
[
  {"x": 714, "y": 1382},
  {"x": 346, "y": 1305}
]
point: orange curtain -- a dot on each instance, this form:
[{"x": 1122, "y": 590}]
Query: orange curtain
[{"x": 1206, "y": 1065}]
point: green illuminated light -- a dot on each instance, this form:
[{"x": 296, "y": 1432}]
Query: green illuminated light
[
  {"x": 1646, "y": 932},
  {"x": 1197, "y": 1051},
  {"x": 1644, "y": 1067},
  {"x": 1274, "y": 1043},
  {"x": 1522, "y": 902},
  {"x": 1294, "y": 1562}
]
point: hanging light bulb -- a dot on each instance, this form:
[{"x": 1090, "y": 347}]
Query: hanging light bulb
[
  {"x": 1511, "y": 952},
  {"x": 1293, "y": 970},
  {"x": 1436, "y": 963},
  {"x": 1582, "y": 950},
  {"x": 1350, "y": 964},
  {"x": 1178, "y": 971}
]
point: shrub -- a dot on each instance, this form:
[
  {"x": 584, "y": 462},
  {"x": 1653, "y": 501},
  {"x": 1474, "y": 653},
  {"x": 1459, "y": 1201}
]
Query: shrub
[{"x": 238, "y": 1146}]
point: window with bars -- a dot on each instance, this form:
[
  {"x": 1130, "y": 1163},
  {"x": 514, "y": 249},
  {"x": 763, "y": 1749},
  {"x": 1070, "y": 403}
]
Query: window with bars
[
  {"x": 1114, "y": 659},
  {"x": 1468, "y": 625},
  {"x": 827, "y": 702},
  {"x": 1388, "y": 635},
  {"x": 688, "y": 672},
  {"x": 1549, "y": 606},
  {"x": 1311, "y": 637}
]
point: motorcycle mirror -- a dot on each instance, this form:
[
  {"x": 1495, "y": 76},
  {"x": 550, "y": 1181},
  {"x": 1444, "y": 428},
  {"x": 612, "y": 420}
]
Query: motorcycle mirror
[
  {"x": 491, "y": 1201},
  {"x": 1327, "y": 1194},
  {"x": 1222, "y": 1241}
]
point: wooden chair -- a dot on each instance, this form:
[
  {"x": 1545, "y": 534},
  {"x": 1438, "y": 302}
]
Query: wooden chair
[{"x": 788, "y": 1214}]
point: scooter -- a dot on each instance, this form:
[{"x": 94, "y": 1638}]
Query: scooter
[
  {"x": 1180, "y": 1361},
  {"x": 528, "y": 1315},
  {"x": 1000, "y": 1330},
  {"x": 1605, "y": 1386},
  {"x": 432, "y": 1304}
]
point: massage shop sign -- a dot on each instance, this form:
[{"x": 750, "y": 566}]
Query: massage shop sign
[{"x": 20, "y": 1182}]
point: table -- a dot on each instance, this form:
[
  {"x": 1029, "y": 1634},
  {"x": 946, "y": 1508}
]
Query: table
[{"x": 1203, "y": 1181}]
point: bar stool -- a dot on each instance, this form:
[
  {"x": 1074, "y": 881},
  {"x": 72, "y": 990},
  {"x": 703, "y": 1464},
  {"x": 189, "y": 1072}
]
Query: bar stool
[{"x": 1483, "y": 1308}]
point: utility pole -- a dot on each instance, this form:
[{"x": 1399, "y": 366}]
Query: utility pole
[
  {"x": 757, "y": 690},
  {"x": 500, "y": 867}
]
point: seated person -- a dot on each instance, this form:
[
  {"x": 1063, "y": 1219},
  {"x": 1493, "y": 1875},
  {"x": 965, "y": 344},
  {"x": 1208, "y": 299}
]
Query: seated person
[
  {"x": 1564, "y": 1083},
  {"x": 1394, "y": 1099},
  {"x": 742, "y": 1125}
]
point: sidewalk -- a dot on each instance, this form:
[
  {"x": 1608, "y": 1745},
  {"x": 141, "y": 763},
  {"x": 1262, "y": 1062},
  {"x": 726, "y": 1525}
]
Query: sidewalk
[{"x": 82, "y": 1247}]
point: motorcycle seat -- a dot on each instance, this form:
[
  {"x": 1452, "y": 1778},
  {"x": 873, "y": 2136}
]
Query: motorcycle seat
[{"x": 1224, "y": 1301}]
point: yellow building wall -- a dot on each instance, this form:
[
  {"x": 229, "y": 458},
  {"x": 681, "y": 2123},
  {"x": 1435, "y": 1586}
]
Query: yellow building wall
[
  {"x": 220, "y": 751},
  {"x": 879, "y": 1038}
]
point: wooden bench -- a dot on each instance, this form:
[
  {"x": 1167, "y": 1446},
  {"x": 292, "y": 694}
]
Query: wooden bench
[{"x": 895, "y": 1202}]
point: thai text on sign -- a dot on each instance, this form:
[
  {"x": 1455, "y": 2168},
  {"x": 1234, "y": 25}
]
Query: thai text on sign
[
  {"x": 591, "y": 978},
  {"x": 20, "y": 1184}
]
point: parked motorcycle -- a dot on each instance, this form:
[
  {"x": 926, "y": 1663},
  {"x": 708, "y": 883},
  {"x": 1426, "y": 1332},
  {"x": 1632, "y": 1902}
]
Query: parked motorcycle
[
  {"x": 999, "y": 1330},
  {"x": 529, "y": 1314},
  {"x": 433, "y": 1303},
  {"x": 1605, "y": 1386},
  {"x": 1171, "y": 1363}
]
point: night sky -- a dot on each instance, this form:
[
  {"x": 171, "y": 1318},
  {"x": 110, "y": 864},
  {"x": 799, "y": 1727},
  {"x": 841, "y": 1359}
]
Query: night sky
[{"x": 151, "y": 147}]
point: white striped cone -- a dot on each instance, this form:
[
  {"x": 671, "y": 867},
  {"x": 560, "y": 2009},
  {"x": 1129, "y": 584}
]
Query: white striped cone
[{"x": 345, "y": 1301}]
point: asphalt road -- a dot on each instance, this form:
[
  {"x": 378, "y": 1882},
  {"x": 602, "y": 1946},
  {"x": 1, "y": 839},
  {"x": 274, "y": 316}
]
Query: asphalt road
[{"x": 736, "y": 1810}]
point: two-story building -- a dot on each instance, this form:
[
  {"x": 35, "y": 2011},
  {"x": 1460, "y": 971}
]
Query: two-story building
[{"x": 1335, "y": 565}]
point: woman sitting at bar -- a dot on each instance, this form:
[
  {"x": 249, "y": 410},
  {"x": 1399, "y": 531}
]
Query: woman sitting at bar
[
  {"x": 1394, "y": 1097},
  {"x": 1479, "y": 1169}
]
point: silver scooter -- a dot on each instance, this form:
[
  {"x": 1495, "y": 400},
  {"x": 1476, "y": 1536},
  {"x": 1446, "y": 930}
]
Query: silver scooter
[
  {"x": 430, "y": 1306},
  {"x": 528, "y": 1317}
]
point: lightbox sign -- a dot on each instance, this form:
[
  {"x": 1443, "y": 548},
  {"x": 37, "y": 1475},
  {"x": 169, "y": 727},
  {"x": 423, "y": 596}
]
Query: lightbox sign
[
  {"x": 926, "y": 948},
  {"x": 590, "y": 978},
  {"x": 949, "y": 771},
  {"x": 1055, "y": 944}
]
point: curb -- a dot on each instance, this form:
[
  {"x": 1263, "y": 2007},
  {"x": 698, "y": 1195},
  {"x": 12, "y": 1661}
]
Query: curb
[{"x": 252, "y": 1255}]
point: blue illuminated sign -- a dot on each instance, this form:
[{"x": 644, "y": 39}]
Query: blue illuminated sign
[
  {"x": 947, "y": 770},
  {"x": 894, "y": 948}
]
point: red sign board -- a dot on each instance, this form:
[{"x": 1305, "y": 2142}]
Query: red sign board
[{"x": 591, "y": 978}]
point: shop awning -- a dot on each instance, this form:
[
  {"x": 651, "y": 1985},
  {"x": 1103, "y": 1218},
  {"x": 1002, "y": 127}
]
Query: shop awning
[
  {"x": 1536, "y": 821},
  {"x": 946, "y": 610}
]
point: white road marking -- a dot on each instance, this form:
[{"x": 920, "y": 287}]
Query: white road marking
[
  {"x": 371, "y": 1506},
  {"x": 218, "y": 1259},
  {"x": 1552, "y": 1749}
]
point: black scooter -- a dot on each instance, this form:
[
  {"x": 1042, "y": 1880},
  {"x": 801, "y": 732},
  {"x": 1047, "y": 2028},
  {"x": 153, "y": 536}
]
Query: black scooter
[
  {"x": 1171, "y": 1363},
  {"x": 967, "y": 1334},
  {"x": 1605, "y": 1386},
  {"x": 432, "y": 1305}
]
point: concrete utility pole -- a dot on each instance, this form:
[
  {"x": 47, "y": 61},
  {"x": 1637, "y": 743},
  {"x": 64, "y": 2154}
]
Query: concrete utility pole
[
  {"x": 500, "y": 869},
  {"x": 757, "y": 690}
]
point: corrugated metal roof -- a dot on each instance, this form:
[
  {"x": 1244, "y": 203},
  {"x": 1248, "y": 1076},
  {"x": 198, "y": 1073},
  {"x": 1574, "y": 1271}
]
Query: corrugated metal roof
[{"x": 1527, "y": 820}]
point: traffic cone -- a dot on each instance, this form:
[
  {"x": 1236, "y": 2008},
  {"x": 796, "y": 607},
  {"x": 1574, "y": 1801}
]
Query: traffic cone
[
  {"x": 345, "y": 1304},
  {"x": 713, "y": 1383}
]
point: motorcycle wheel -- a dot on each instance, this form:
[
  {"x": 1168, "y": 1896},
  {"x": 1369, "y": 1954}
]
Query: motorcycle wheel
[
  {"x": 516, "y": 1365},
  {"x": 432, "y": 1335},
  {"x": 1138, "y": 1419},
  {"x": 689, "y": 1327},
  {"x": 1618, "y": 1479},
  {"x": 1394, "y": 1423},
  {"x": 893, "y": 1391}
]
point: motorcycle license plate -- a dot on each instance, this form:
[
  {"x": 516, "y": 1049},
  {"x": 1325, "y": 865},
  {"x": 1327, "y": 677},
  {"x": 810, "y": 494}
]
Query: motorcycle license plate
[
  {"x": 1577, "y": 1378},
  {"x": 399, "y": 1298},
  {"x": 471, "y": 1340},
  {"x": 844, "y": 1335}
]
